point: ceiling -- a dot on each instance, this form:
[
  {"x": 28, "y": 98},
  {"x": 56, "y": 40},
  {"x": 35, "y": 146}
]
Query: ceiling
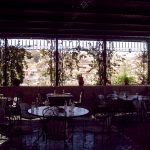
[{"x": 90, "y": 19}]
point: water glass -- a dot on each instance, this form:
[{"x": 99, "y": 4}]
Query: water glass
[
  {"x": 47, "y": 103},
  {"x": 65, "y": 105},
  {"x": 72, "y": 106},
  {"x": 63, "y": 91},
  {"x": 32, "y": 107},
  {"x": 54, "y": 92}
]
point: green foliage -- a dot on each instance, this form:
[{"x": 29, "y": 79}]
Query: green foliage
[
  {"x": 70, "y": 59},
  {"x": 124, "y": 79},
  {"x": 112, "y": 66},
  {"x": 14, "y": 63},
  {"x": 48, "y": 57},
  {"x": 141, "y": 70}
]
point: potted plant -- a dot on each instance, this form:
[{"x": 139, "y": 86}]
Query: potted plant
[
  {"x": 80, "y": 80},
  {"x": 125, "y": 79}
]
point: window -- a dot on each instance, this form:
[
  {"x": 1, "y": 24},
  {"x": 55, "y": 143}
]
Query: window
[
  {"x": 127, "y": 62},
  {"x": 122, "y": 62},
  {"x": 79, "y": 58},
  {"x": 39, "y": 66}
]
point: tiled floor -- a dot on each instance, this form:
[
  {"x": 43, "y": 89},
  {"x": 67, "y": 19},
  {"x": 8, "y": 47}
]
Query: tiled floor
[
  {"x": 92, "y": 139},
  {"x": 138, "y": 132}
]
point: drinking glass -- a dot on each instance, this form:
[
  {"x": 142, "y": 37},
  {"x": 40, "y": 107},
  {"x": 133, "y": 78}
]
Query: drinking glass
[{"x": 33, "y": 106}]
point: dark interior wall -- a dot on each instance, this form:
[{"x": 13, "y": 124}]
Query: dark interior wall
[{"x": 28, "y": 94}]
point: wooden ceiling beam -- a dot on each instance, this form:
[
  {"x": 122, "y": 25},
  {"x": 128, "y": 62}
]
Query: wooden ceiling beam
[
  {"x": 71, "y": 25},
  {"x": 74, "y": 31},
  {"x": 75, "y": 17},
  {"x": 117, "y": 6}
]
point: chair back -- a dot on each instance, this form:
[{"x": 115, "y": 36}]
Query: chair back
[
  {"x": 24, "y": 108},
  {"x": 2, "y": 114},
  {"x": 3, "y": 103},
  {"x": 56, "y": 128},
  {"x": 137, "y": 105},
  {"x": 100, "y": 100},
  {"x": 81, "y": 97}
]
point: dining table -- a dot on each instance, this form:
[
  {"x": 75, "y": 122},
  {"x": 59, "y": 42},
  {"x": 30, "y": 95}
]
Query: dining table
[
  {"x": 58, "y": 99},
  {"x": 134, "y": 103},
  {"x": 58, "y": 111},
  {"x": 55, "y": 115}
]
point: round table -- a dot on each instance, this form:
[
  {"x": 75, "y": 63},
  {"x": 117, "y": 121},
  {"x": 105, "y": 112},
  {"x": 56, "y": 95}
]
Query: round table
[
  {"x": 57, "y": 119},
  {"x": 48, "y": 111},
  {"x": 134, "y": 103}
]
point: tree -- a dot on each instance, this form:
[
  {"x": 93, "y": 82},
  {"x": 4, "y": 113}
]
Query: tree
[{"x": 14, "y": 64}]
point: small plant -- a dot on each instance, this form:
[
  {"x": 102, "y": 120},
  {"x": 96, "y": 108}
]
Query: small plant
[{"x": 125, "y": 79}]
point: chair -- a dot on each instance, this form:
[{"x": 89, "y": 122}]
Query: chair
[
  {"x": 112, "y": 96},
  {"x": 40, "y": 98},
  {"x": 80, "y": 100},
  {"x": 99, "y": 104},
  {"x": 14, "y": 109},
  {"x": 105, "y": 119},
  {"x": 4, "y": 122},
  {"x": 104, "y": 112},
  {"x": 140, "y": 109},
  {"x": 146, "y": 106},
  {"x": 5, "y": 106},
  {"x": 21, "y": 134},
  {"x": 101, "y": 126},
  {"x": 4, "y": 127},
  {"x": 79, "y": 103},
  {"x": 105, "y": 126},
  {"x": 25, "y": 115},
  {"x": 57, "y": 129},
  {"x": 24, "y": 112}
]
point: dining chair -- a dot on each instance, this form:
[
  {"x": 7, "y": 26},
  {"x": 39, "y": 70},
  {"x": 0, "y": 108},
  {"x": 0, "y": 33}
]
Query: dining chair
[
  {"x": 24, "y": 111},
  {"x": 25, "y": 115},
  {"x": 79, "y": 101},
  {"x": 99, "y": 105},
  {"x": 57, "y": 129},
  {"x": 23, "y": 132},
  {"x": 101, "y": 126},
  {"x": 20, "y": 136},
  {"x": 105, "y": 112},
  {"x": 4, "y": 122},
  {"x": 40, "y": 98},
  {"x": 140, "y": 109},
  {"x": 5, "y": 106},
  {"x": 3, "y": 102},
  {"x": 4, "y": 128},
  {"x": 105, "y": 126},
  {"x": 146, "y": 106},
  {"x": 14, "y": 109},
  {"x": 83, "y": 120}
]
